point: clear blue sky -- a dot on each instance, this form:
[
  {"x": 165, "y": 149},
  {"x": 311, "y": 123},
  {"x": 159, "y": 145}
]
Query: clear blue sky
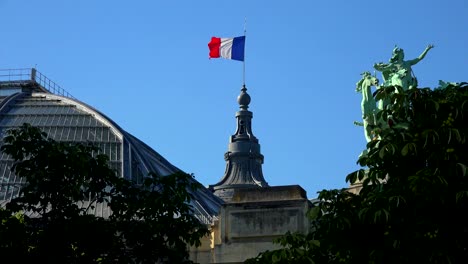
[{"x": 145, "y": 64}]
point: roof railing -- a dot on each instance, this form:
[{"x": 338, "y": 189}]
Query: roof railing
[{"x": 31, "y": 74}]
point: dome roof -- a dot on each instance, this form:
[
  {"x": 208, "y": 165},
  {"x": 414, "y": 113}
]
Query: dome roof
[{"x": 67, "y": 119}]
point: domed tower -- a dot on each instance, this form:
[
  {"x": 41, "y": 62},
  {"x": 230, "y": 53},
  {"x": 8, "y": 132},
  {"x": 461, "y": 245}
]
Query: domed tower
[
  {"x": 253, "y": 213},
  {"x": 243, "y": 158}
]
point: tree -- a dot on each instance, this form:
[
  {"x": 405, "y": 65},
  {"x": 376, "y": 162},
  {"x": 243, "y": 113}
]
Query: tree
[
  {"x": 50, "y": 222},
  {"x": 414, "y": 197}
]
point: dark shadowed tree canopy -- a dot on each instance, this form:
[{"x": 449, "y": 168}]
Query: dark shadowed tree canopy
[
  {"x": 49, "y": 223},
  {"x": 413, "y": 204}
]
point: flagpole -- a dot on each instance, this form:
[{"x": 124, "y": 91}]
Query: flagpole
[{"x": 243, "y": 63}]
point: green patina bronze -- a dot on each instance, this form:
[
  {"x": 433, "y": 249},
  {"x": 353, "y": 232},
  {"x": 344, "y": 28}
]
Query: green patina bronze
[
  {"x": 368, "y": 104},
  {"x": 397, "y": 72}
]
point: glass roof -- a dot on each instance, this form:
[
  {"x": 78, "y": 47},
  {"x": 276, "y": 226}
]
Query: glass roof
[
  {"x": 62, "y": 121},
  {"x": 69, "y": 120}
]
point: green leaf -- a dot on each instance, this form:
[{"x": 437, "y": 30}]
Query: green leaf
[
  {"x": 462, "y": 168},
  {"x": 462, "y": 195},
  {"x": 315, "y": 243},
  {"x": 436, "y": 105},
  {"x": 352, "y": 177},
  {"x": 314, "y": 212},
  {"x": 409, "y": 148},
  {"x": 382, "y": 153},
  {"x": 361, "y": 174},
  {"x": 457, "y": 135},
  {"x": 405, "y": 149}
]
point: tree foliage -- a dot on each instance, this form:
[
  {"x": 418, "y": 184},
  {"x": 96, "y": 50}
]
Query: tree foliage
[
  {"x": 413, "y": 204},
  {"x": 52, "y": 220}
]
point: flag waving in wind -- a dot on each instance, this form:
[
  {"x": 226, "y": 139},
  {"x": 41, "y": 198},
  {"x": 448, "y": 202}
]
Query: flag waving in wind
[{"x": 228, "y": 48}]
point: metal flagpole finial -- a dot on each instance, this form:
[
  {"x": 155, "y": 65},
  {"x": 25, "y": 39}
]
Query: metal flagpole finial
[
  {"x": 243, "y": 62},
  {"x": 245, "y": 25}
]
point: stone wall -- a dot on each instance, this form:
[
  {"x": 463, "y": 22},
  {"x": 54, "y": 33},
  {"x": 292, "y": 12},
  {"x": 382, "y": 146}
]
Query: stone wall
[{"x": 248, "y": 224}]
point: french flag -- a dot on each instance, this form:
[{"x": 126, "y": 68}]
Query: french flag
[{"x": 228, "y": 48}]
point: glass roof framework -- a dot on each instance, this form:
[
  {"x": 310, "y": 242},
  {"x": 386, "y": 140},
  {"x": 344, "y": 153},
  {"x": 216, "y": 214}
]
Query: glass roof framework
[
  {"x": 63, "y": 120},
  {"x": 69, "y": 120}
]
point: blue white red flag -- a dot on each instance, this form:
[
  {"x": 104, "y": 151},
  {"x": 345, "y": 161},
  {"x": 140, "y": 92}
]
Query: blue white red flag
[{"x": 228, "y": 48}]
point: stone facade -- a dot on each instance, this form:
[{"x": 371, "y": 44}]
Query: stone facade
[{"x": 249, "y": 223}]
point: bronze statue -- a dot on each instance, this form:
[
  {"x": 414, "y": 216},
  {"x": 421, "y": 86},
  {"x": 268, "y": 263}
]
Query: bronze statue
[{"x": 398, "y": 71}]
